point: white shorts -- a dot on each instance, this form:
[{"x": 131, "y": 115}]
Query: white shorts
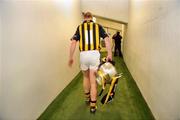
[{"x": 89, "y": 60}]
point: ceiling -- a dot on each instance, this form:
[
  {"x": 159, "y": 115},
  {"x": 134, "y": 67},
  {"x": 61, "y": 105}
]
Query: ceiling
[{"x": 113, "y": 9}]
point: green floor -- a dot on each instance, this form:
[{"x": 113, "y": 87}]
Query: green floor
[{"x": 127, "y": 105}]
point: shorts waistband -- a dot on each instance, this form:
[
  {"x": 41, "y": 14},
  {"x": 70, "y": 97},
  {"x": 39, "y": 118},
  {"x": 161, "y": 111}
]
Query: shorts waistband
[{"x": 90, "y": 51}]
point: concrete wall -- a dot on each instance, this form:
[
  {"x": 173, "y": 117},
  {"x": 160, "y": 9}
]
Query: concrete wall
[
  {"x": 0, "y": 59},
  {"x": 114, "y": 9},
  {"x": 152, "y": 54},
  {"x": 110, "y": 24},
  {"x": 35, "y": 51}
]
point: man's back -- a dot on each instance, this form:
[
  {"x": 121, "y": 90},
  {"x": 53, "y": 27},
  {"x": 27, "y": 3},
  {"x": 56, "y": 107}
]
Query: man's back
[
  {"x": 88, "y": 33},
  {"x": 89, "y": 36}
]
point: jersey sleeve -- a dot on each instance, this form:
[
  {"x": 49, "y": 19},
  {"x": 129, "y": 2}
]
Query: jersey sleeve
[
  {"x": 102, "y": 32},
  {"x": 76, "y": 36}
]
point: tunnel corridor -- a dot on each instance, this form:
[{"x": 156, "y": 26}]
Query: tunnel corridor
[
  {"x": 37, "y": 83},
  {"x": 128, "y": 103}
]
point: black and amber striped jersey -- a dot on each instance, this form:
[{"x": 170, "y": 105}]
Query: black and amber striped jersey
[{"x": 88, "y": 34}]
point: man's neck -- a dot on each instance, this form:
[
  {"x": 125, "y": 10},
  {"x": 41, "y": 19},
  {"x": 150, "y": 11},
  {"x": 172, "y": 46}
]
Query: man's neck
[{"x": 88, "y": 21}]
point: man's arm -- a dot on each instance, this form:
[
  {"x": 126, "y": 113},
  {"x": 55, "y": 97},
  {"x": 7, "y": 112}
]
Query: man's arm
[
  {"x": 108, "y": 48},
  {"x": 74, "y": 40},
  {"x": 105, "y": 36},
  {"x": 71, "y": 52}
]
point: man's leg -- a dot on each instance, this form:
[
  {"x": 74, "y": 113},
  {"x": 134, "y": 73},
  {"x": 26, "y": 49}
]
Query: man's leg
[
  {"x": 86, "y": 86},
  {"x": 115, "y": 50},
  {"x": 93, "y": 90},
  {"x": 119, "y": 50}
]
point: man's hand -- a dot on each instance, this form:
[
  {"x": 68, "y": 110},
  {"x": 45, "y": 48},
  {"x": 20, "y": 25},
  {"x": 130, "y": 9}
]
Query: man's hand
[
  {"x": 70, "y": 62},
  {"x": 109, "y": 58}
]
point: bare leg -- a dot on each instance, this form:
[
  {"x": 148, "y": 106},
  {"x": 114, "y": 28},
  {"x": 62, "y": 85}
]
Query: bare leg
[
  {"x": 93, "y": 83},
  {"x": 86, "y": 81}
]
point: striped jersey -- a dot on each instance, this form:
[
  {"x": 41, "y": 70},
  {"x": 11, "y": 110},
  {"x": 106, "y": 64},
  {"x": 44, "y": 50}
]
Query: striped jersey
[{"x": 88, "y": 34}]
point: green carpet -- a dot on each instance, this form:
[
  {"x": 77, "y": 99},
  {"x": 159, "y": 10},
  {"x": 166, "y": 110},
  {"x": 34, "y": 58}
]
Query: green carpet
[{"x": 128, "y": 103}]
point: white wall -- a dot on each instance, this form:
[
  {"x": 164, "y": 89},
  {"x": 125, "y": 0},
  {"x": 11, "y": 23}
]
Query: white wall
[
  {"x": 114, "y": 9},
  {"x": 110, "y": 24},
  {"x": 35, "y": 48},
  {"x": 0, "y": 59},
  {"x": 152, "y": 54}
]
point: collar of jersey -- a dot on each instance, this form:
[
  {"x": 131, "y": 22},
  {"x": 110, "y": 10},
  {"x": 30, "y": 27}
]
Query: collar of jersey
[{"x": 87, "y": 21}]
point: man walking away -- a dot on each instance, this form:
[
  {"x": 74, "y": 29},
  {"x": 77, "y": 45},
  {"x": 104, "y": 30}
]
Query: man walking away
[{"x": 88, "y": 35}]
